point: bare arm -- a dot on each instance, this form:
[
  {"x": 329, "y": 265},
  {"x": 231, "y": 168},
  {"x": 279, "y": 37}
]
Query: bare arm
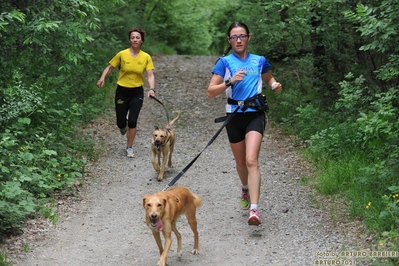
[
  {"x": 151, "y": 82},
  {"x": 271, "y": 82},
  {"x": 106, "y": 72},
  {"x": 217, "y": 85}
]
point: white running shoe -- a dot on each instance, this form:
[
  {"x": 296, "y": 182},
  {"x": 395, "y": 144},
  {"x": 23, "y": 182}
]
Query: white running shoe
[{"x": 129, "y": 152}]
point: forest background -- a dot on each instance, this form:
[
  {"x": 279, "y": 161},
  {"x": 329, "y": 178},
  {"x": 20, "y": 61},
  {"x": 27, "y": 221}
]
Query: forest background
[{"x": 338, "y": 61}]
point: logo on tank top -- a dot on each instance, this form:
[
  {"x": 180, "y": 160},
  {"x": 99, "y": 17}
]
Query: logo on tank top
[
  {"x": 254, "y": 61},
  {"x": 247, "y": 69}
]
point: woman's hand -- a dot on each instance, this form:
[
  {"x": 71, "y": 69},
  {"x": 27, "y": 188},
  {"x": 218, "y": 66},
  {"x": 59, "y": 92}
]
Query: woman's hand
[
  {"x": 151, "y": 93},
  {"x": 100, "y": 83},
  {"x": 238, "y": 76},
  {"x": 277, "y": 87}
]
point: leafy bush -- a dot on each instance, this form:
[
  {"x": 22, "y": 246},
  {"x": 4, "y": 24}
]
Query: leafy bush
[
  {"x": 310, "y": 119},
  {"x": 335, "y": 141},
  {"x": 18, "y": 100},
  {"x": 380, "y": 126},
  {"x": 353, "y": 97},
  {"x": 32, "y": 168},
  {"x": 391, "y": 212},
  {"x": 390, "y": 218},
  {"x": 4, "y": 259}
]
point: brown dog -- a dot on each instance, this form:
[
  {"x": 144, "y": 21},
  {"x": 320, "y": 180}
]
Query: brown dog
[
  {"x": 163, "y": 143},
  {"x": 162, "y": 211}
]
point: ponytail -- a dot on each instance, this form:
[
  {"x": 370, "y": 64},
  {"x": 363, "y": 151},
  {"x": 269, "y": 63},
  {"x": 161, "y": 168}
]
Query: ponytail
[
  {"x": 227, "y": 50},
  {"x": 225, "y": 53}
]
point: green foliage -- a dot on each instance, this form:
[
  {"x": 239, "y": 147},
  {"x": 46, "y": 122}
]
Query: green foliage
[
  {"x": 4, "y": 259},
  {"x": 391, "y": 202},
  {"x": 31, "y": 171},
  {"x": 379, "y": 24},
  {"x": 280, "y": 29},
  {"x": 335, "y": 141},
  {"x": 338, "y": 175},
  {"x": 380, "y": 126},
  {"x": 310, "y": 119},
  {"x": 337, "y": 60},
  {"x": 352, "y": 129},
  {"x": 6, "y": 18},
  {"x": 353, "y": 98},
  {"x": 17, "y": 100},
  {"x": 390, "y": 217},
  {"x": 44, "y": 98}
]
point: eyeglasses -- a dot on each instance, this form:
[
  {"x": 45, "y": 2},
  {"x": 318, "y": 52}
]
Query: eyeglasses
[{"x": 242, "y": 37}]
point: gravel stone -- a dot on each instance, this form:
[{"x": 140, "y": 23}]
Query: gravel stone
[{"x": 103, "y": 224}]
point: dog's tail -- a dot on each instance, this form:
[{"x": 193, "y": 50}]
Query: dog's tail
[
  {"x": 197, "y": 200},
  {"x": 169, "y": 126}
]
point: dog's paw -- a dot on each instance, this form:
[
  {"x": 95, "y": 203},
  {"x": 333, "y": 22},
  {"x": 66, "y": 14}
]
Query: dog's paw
[
  {"x": 162, "y": 263},
  {"x": 195, "y": 251},
  {"x": 179, "y": 255}
]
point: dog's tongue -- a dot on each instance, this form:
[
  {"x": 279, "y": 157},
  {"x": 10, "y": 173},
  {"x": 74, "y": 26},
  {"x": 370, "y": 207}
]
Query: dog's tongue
[{"x": 159, "y": 225}]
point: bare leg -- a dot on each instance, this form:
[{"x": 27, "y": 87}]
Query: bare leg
[
  {"x": 246, "y": 154},
  {"x": 253, "y": 141}
]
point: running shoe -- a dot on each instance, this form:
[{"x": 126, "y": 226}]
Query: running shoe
[
  {"x": 254, "y": 217},
  {"x": 123, "y": 130},
  {"x": 129, "y": 152},
  {"x": 245, "y": 202}
]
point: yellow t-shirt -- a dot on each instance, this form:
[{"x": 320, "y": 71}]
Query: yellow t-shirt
[{"x": 131, "y": 70}]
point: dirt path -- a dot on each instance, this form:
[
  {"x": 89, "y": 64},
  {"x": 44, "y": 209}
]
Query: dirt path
[{"x": 105, "y": 225}]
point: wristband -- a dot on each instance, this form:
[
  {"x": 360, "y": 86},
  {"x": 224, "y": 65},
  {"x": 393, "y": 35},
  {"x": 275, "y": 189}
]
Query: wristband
[{"x": 152, "y": 89}]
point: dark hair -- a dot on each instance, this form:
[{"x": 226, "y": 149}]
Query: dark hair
[
  {"x": 142, "y": 32},
  {"x": 233, "y": 25}
]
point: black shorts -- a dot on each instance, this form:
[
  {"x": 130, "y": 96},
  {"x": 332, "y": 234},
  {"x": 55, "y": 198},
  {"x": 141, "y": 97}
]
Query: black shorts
[{"x": 242, "y": 123}]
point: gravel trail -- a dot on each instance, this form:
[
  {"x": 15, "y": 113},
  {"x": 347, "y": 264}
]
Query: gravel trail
[{"x": 104, "y": 224}]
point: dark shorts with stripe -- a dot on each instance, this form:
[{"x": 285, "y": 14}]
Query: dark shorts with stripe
[{"x": 242, "y": 123}]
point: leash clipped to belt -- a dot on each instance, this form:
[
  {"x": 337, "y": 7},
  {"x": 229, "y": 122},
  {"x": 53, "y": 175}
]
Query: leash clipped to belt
[
  {"x": 176, "y": 178},
  {"x": 166, "y": 110}
]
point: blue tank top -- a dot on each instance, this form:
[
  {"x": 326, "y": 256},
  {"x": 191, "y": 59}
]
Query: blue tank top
[{"x": 253, "y": 65}]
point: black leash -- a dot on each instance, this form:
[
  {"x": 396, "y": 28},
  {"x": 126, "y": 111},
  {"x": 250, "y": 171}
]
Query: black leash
[
  {"x": 176, "y": 178},
  {"x": 166, "y": 110}
]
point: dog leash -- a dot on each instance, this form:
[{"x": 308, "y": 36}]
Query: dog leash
[
  {"x": 177, "y": 177},
  {"x": 166, "y": 110}
]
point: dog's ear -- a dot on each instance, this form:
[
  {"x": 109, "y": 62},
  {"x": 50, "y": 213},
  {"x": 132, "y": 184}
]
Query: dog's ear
[
  {"x": 144, "y": 200},
  {"x": 156, "y": 127}
]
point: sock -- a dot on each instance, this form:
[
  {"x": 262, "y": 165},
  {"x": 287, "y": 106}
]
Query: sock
[
  {"x": 253, "y": 207},
  {"x": 245, "y": 187}
]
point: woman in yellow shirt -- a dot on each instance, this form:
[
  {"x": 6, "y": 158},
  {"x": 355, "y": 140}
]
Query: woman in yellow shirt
[{"x": 132, "y": 63}]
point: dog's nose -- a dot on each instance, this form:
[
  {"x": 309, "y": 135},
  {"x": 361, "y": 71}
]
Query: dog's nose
[{"x": 154, "y": 215}]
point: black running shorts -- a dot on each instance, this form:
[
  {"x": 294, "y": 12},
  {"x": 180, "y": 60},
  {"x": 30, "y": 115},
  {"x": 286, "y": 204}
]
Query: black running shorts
[{"x": 242, "y": 123}]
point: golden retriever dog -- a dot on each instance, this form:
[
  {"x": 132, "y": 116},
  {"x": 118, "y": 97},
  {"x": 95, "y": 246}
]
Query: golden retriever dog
[
  {"x": 163, "y": 143},
  {"x": 162, "y": 210}
]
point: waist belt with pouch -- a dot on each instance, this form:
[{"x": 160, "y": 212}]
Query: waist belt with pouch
[{"x": 257, "y": 102}]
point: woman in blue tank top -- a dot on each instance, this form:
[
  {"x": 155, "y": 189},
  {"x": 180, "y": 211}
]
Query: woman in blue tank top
[{"x": 240, "y": 76}]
